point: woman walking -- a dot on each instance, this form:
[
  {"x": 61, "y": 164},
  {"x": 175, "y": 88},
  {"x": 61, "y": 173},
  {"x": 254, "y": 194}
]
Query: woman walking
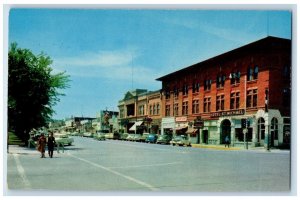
[{"x": 42, "y": 145}]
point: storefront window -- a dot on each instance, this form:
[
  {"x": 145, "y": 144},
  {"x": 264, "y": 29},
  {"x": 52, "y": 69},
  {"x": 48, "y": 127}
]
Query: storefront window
[
  {"x": 261, "y": 129},
  {"x": 274, "y": 128}
]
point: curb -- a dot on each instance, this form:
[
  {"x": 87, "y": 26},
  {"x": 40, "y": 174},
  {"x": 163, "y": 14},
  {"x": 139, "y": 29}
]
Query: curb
[{"x": 215, "y": 147}]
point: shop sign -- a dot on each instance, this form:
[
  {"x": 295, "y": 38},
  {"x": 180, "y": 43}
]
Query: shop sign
[
  {"x": 198, "y": 124},
  {"x": 228, "y": 113},
  {"x": 181, "y": 119}
]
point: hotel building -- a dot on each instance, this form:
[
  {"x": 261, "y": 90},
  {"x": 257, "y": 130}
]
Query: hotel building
[{"x": 209, "y": 100}]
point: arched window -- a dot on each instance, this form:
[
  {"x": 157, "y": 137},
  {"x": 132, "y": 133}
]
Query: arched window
[
  {"x": 274, "y": 127},
  {"x": 261, "y": 129}
]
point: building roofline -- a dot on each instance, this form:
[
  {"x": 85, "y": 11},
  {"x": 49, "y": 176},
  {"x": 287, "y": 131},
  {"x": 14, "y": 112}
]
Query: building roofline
[{"x": 228, "y": 53}]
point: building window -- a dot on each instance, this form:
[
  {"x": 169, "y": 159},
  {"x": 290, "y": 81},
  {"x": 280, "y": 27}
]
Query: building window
[
  {"x": 167, "y": 93},
  {"x": 185, "y": 89},
  {"x": 141, "y": 110},
  {"x": 252, "y": 73},
  {"x": 176, "y": 109},
  {"x": 195, "y": 109},
  {"x": 252, "y": 98},
  {"x": 176, "y": 92},
  {"x": 274, "y": 128},
  {"x": 261, "y": 129},
  {"x": 157, "y": 108},
  {"x": 121, "y": 113},
  {"x": 150, "y": 109},
  {"x": 207, "y": 84},
  {"x": 168, "y": 113},
  {"x": 220, "y": 81},
  {"x": 196, "y": 87},
  {"x": 185, "y": 108},
  {"x": 235, "y": 77},
  {"x": 220, "y": 102},
  {"x": 207, "y": 104},
  {"x": 154, "y": 110},
  {"x": 235, "y": 100}
]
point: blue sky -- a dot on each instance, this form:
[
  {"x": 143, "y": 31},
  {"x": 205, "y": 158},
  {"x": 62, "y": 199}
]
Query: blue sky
[{"x": 109, "y": 52}]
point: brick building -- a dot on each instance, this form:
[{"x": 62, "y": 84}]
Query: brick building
[
  {"x": 208, "y": 100},
  {"x": 140, "y": 111}
]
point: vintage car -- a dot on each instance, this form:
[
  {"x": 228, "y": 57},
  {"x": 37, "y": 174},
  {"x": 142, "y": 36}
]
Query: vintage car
[
  {"x": 151, "y": 138},
  {"x": 164, "y": 139},
  {"x": 63, "y": 139},
  {"x": 99, "y": 136},
  {"x": 181, "y": 140},
  {"x": 88, "y": 134}
]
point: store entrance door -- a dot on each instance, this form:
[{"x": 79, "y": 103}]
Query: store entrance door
[
  {"x": 205, "y": 136},
  {"x": 225, "y": 131}
]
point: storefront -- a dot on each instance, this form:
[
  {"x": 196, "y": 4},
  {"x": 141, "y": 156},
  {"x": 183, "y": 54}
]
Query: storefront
[
  {"x": 263, "y": 129},
  {"x": 167, "y": 125}
]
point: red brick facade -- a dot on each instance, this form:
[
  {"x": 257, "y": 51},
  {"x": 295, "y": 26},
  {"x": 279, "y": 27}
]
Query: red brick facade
[{"x": 235, "y": 83}]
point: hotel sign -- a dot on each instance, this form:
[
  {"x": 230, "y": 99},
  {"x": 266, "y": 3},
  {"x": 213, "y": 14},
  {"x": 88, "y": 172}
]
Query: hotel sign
[{"x": 228, "y": 113}]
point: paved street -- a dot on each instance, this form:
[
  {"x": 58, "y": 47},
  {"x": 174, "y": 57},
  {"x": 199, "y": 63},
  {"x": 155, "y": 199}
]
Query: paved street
[{"x": 111, "y": 165}]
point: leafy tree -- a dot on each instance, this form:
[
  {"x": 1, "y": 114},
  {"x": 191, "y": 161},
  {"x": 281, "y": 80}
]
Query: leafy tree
[{"x": 33, "y": 90}]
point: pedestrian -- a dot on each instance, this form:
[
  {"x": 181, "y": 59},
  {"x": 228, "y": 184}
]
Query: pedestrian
[
  {"x": 42, "y": 145},
  {"x": 227, "y": 141},
  {"x": 51, "y": 144}
]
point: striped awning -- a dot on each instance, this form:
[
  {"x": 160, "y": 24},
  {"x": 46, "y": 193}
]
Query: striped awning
[{"x": 133, "y": 128}]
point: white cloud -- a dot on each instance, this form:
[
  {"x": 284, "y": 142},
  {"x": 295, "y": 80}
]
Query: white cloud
[
  {"x": 101, "y": 58},
  {"x": 118, "y": 65}
]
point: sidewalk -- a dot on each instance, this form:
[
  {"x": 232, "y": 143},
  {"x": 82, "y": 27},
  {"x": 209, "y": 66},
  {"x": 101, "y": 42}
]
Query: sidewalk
[
  {"x": 252, "y": 149},
  {"x": 16, "y": 149},
  {"x": 218, "y": 147}
]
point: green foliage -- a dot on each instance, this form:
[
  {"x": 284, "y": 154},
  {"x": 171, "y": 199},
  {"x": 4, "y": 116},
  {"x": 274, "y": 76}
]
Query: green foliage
[{"x": 32, "y": 90}]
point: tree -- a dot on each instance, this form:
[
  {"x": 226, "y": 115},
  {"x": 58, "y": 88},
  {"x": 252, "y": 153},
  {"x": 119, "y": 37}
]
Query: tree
[{"x": 33, "y": 90}]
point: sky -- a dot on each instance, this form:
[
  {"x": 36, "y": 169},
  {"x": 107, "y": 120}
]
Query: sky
[{"x": 108, "y": 52}]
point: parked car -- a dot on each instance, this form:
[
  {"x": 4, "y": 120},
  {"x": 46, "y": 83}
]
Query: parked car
[
  {"x": 109, "y": 135},
  {"x": 74, "y": 133},
  {"x": 63, "y": 138},
  {"x": 151, "y": 138},
  {"x": 116, "y": 136},
  {"x": 137, "y": 137},
  {"x": 181, "y": 140},
  {"x": 130, "y": 137},
  {"x": 99, "y": 136},
  {"x": 144, "y": 136},
  {"x": 164, "y": 139},
  {"x": 87, "y": 134},
  {"x": 123, "y": 136}
]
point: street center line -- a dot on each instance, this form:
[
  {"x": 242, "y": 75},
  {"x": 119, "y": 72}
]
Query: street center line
[
  {"x": 152, "y": 165},
  {"x": 117, "y": 173},
  {"x": 21, "y": 171}
]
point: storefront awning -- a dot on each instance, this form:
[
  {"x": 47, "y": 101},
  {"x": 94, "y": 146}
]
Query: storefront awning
[
  {"x": 133, "y": 128},
  {"x": 191, "y": 130}
]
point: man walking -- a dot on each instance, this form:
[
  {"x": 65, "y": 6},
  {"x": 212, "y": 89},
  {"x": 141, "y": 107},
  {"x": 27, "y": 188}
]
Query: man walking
[
  {"x": 51, "y": 144},
  {"x": 227, "y": 142}
]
